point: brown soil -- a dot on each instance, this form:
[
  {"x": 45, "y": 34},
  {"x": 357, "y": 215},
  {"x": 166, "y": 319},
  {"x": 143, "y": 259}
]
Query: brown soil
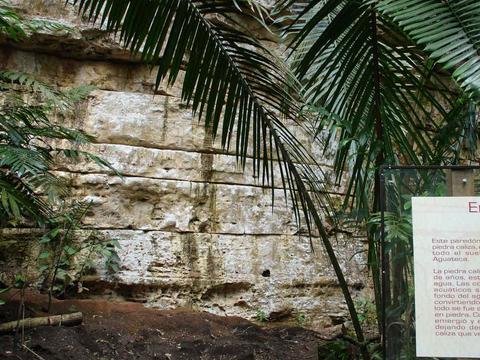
[{"x": 122, "y": 330}]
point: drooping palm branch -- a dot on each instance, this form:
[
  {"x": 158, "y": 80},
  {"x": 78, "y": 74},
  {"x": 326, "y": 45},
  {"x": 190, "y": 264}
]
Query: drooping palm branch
[
  {"x": 387, "y": 98},
  {"x": 449, "y": 33},
  {"x": 233, "y": 83},
  {"x": 378, "y": 94}
]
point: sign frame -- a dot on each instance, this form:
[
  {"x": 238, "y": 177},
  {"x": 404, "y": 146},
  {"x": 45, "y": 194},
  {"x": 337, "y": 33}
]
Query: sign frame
[{"x": 456, "y": 184}]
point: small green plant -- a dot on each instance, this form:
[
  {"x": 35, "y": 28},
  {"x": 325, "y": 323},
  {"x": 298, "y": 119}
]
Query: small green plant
[
  {"x": 339, "y": 349},
  {"x": 66, "y": 256},
  {"x": 32, "y": 139},
  {"x": 367, "y": 313},
  {"x": 3, "y": 290},
  {"x": 346, "y": 348},
  {"x": 301, "y": 319},
  {"x": 261, "y": 315}
]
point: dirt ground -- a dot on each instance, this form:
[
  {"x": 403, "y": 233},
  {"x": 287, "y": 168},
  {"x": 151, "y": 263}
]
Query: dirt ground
[{"x": 122, "y": 330}]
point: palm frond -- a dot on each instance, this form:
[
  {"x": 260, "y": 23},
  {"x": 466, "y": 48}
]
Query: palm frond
[
  {"x": 378, "y": 98},
  {"x": 385, "y": 97},
  {"x": 15, "y": 27},
  {"x": 449, "y": 31},
  {"x": 24, "y": 161},
  {"x": 17, "y": 199}
]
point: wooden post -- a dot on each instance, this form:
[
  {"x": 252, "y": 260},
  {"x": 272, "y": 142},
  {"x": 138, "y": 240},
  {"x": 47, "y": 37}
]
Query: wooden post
[{"x": 460, "y": 182}]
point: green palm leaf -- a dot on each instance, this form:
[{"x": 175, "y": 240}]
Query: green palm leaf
[
  {"x": 63, "y": 101},
  {"x": 357, "y": 68},
  {"x": 10, "y": 22},
  {"x": 16, "y": 200},
  {"x": 23, "y": 161},
  {"x": 449, "y": 31}
]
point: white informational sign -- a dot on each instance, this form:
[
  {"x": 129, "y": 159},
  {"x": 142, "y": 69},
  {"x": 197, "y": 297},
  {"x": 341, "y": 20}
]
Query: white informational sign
[{"x": 446, "y": 241}]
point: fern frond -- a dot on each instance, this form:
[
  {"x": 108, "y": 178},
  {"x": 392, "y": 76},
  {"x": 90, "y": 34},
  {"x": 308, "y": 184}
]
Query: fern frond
[{"x": 63, "y": 101}]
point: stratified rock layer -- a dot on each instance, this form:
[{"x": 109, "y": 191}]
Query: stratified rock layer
[{"x": 195, "y": 230}]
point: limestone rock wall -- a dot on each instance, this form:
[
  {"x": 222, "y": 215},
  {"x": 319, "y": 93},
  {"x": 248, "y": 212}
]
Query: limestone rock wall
[{"x": 195, "y": 230}]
